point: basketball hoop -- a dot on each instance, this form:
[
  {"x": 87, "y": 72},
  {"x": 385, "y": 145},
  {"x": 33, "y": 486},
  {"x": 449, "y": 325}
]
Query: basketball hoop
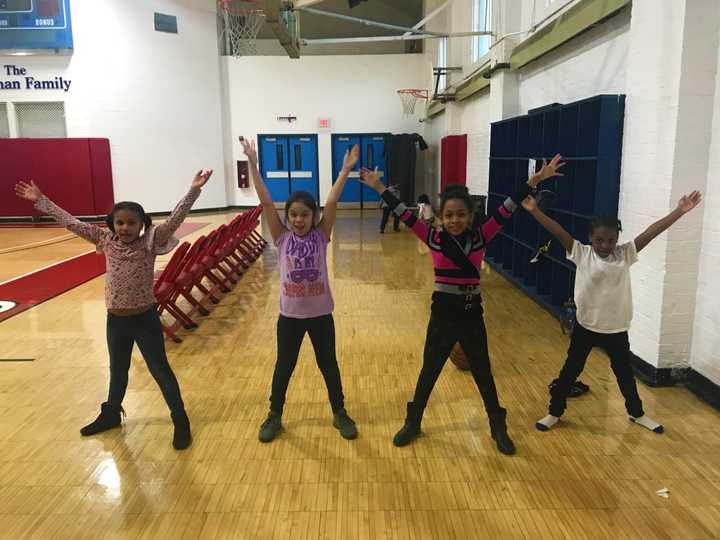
[
  {"x": 243, "y": 20},
  {"x": 409, "y": 97}
]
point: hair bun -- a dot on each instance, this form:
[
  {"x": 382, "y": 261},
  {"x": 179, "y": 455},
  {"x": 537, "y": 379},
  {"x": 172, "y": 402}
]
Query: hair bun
[{"x": 455, "y": 188}]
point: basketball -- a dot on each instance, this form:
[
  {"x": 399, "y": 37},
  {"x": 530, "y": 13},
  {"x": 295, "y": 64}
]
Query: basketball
[{"x": 459, "y": 358}]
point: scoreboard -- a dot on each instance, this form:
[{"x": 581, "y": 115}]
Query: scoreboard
[{"x": 35, "y": 24}]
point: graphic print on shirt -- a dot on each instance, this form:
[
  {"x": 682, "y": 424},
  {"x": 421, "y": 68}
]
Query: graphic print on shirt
[{"x": 302, "y": 262}]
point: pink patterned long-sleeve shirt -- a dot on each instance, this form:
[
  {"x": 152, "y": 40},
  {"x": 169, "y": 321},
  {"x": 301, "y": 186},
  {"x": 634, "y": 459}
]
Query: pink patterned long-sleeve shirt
[{"x": 130, "y": 266}]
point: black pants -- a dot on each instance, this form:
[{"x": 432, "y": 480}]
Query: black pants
[
  {"x": 449, "y": 324},
  {"x": 144, "y": 329},
  {"x": 290, "y": 334},
  {"x": 386, "y": 214},
  {"x": 617, "y": 348}
]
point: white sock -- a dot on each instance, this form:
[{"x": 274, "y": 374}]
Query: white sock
[
  {"x": 546, "y": 423},
  {"x": 648, "y": 423}
]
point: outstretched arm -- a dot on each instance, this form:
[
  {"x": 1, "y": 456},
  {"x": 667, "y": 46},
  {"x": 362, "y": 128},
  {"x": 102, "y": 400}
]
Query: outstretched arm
[
  {"x": 552, "y": 226},
  {"x": 271, "y": 216},
  {"x": 685, "y": 204},
  {"x": 31, "y": 192},
  {"x": 505, "y": 211},
  {"x": 329, "y": 213},
  {"x": 417, "y": 226},
  {"x": 165, "y": 230}
]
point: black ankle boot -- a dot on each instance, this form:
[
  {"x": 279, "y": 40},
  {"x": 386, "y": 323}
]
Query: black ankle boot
[
  {"x": 182, "y": 436},
  {"x": 498, "y": 431},
  {"x": 109, "y": 418},
  {"x": 411, "y": 430}
]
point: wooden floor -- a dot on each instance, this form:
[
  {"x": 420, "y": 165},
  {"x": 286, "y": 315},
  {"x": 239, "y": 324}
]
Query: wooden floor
[{"x": 595, "y": 476}]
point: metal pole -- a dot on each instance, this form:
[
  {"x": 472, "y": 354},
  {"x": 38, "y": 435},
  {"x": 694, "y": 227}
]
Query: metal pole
[
  {"x": 430, "y": 16},
  {"x": 367, "y": 22},
  {"x": 324, "y": 41}
]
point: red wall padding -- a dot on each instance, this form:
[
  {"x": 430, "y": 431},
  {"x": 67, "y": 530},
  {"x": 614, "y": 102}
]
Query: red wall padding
[
  {"x": 453, "y": 160},
  {"x": 75, "y": 173}
]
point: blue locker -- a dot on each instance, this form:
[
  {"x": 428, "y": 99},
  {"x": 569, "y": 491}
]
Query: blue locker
[
  {"x": 373, "y": 155},
  {"x": 274, "y": 165},
  {"x": 303, "y": 164},
  {"x": 340, "y": 144},
  {"x": 289, "y": 163}
]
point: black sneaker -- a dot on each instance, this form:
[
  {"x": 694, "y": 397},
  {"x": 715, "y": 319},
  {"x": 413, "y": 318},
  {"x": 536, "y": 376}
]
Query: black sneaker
[
  {"x": 109, "y": 418},
  {"x": 271, "y": 427},
  {"x": 346, "y": 425}
]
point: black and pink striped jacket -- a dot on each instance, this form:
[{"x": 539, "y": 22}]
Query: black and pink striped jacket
[{"x": 447, "y": 272}]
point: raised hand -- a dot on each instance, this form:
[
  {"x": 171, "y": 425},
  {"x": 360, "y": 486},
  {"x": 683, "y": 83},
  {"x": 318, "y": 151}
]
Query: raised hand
[
  {"x": 352, "y": 155},
  {"x": 529, "y": 203},
  {"x": 688, "y": 202},
  {"x": 30, "y": 192},
  {"x": 249, "y": 149},
  {"x": 201, "y": 178},
  {"x": 371, "y": 179},
  {"x": 548, "y": 170}
]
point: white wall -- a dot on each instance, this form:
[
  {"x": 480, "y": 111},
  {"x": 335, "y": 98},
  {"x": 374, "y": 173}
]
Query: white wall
[
  {"x": 358, "y": 95},
  {"x": 593, "y": 63},
  {"x": 156, "y": 96},
  {"x": 705, "y": 351}
]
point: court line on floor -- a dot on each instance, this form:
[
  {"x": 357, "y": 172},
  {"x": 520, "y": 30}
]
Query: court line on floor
[{"x": 40, "y": 243}]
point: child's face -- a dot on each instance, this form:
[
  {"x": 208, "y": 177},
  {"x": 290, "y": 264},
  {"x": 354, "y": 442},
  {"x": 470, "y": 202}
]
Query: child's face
[
  {"x": 300, "y": 218},
  {"x": 127, "y": 225},
  {"x": 456, "y": 216},
  {"x": 604, "y": 240}
]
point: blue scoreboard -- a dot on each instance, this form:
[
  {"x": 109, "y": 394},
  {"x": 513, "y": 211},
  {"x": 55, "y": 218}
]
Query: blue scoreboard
[{"x": 35, "y": 24}]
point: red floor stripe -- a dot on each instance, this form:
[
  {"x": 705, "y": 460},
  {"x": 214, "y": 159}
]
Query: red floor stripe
[{"x": 24, "y": 292}]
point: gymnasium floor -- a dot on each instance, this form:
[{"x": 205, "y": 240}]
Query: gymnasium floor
[{"x": 595, "y": 476}]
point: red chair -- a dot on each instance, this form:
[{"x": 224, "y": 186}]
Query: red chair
[
  {"x": 192, "y": 277},
  {"x": 165, "y": 292}
]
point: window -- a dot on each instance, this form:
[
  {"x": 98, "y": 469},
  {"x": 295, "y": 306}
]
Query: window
[
  {"x": 41, "y": 119},
  {"x": 442, "y": 61},
  {"x": 481, "y": 22},
  {"x": 4, "y": 126}
]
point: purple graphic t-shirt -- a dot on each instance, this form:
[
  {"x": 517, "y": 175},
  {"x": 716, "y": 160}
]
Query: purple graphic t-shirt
[{"x": 304, "y": 285}]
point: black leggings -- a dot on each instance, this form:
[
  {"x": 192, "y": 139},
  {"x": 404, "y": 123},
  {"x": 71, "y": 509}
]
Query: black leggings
[
  {"x": 617, "y": 348},
  {"x": 144, "y": 329},
  {"x": 290, "y": 334},
  {"x": 445, "y": 329}
]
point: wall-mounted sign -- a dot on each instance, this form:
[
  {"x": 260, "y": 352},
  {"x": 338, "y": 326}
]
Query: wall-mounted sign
[{"x": 19, "y": 79}]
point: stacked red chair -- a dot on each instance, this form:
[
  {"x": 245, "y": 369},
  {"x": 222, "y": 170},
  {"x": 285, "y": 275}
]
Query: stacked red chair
[{"x": 197, "y": 273}]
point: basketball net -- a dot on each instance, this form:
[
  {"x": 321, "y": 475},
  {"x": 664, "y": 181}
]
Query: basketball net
[
  {"x": 409, "y": 97},
  {"x": 243, "y": 20}
]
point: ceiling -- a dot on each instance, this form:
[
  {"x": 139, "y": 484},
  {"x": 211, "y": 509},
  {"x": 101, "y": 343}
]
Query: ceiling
[{"x": 398, "y": 12}]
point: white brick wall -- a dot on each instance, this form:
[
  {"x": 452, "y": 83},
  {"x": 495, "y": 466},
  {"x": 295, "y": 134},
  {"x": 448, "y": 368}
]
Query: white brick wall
[
  {"x": 705, "y": 350},
  {"x": 666, "y": 62},
  {"x": 593, "y": 63}
]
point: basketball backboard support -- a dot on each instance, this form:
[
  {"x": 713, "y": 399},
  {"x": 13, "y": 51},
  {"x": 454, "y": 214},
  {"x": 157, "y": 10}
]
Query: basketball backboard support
[{"x": 284, "y": 23}]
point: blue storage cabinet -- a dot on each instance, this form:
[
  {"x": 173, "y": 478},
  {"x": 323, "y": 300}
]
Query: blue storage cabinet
[{"x": 588, "y": 134}]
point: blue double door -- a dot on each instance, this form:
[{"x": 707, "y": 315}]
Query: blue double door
[
  {"x": 372, "y": 154},
  {"x": 289, "y": 163}
]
